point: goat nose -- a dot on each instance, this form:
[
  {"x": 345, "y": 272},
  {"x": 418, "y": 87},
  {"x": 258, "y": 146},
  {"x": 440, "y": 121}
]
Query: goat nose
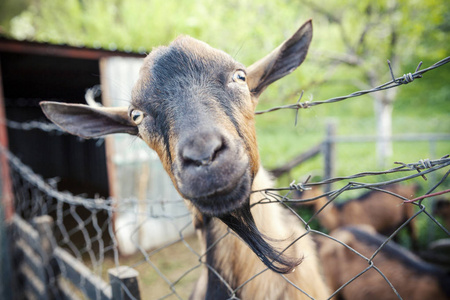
[{"x": 201, "y": 149}]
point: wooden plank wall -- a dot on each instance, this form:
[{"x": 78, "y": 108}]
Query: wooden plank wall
[{"x": 43, "y": 270}]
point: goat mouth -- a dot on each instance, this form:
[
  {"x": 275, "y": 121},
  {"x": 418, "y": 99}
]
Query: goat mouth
[{"x": 226, "y": 199}]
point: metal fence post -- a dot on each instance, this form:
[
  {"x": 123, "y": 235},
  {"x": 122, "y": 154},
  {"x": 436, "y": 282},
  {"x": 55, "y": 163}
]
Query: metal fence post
[
  {"x": 329, "y": 154},
  {"x": 124, "y": 283}
]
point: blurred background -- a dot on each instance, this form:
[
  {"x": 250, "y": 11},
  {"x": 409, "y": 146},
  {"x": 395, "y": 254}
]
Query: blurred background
[{"x": 352, "y": 43}]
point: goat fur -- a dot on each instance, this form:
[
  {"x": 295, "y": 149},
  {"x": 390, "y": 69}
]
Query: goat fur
[
  {"x": 195, "y": 107},
  {"x": 280, "y": 225},
  {"x": 413, "y": 278},
  {"x": 381, "y": 210}
]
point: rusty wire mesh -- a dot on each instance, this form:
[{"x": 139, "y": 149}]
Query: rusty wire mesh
[{"x": 84, "y": 226}]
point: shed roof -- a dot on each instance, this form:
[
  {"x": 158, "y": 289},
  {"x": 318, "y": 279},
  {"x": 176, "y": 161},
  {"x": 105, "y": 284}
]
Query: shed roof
[{"x": 29, "y": 47}]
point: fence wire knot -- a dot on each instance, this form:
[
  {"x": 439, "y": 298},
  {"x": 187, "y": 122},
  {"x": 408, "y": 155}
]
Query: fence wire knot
[
  {"x": 407, "y": 78},
  {"x": 298, "y": 186},
  {"x": 426, "y": 163}
]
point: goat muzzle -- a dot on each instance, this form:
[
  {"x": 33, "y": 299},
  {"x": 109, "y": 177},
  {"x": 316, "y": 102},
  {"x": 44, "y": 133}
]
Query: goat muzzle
[{"x": 212, "y": 171}]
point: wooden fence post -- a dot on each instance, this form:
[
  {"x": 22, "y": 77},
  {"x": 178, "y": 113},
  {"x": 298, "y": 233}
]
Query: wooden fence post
[
  {"x": 329, "y": 154},
  {"x": 6, "y": 285},
  {"x": 44, "y": 227},
  {"x": 33, "y": 249},
  {"x": 6, "y": 189},
  {"x": 124, "y": 283}
]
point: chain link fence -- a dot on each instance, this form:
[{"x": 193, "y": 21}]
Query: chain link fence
[{"x": 85, "y": 228}]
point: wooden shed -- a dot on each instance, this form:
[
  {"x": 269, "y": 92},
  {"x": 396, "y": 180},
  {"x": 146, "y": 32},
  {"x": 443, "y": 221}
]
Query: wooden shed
[{"x": 122, "y": 168}]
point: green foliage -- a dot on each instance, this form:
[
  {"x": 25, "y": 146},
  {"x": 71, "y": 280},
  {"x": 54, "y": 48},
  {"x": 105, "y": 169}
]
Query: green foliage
[
  {"x": 250, "y": 29},
  {"x": 405, "y": 31},
  {"x": 141, "y": 24}
]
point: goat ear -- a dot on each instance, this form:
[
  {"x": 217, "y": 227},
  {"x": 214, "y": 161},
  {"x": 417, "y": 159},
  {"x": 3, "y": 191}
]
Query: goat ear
[
  {"x": 89, "y": 122},
  {"x": 281, "y": 61}
]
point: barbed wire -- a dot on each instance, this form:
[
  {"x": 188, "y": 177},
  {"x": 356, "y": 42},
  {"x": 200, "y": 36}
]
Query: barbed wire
[
  {"x": 423, "y": 167},
  {"x": 45, "y": 127},
  {"x": 420, "y": 168},
  {"x": 48, "y": 187},
  {"x": 32, "y": 125},
  {"x": 395, "y": 82}
]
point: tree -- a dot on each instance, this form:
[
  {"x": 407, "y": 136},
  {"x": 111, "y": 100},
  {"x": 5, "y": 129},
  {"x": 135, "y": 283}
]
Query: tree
[
  {"x": 369, "y": 30},
  {"x": 353, "y": 39}
]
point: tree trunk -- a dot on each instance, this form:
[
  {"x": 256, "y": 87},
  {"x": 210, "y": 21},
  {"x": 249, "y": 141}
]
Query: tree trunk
[{"x": 383, "y": 115}]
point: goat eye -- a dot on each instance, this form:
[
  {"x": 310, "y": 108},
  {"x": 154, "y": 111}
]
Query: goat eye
[
  {"x": 239, "y": 76},
  {"x": 137, "y": 116}
]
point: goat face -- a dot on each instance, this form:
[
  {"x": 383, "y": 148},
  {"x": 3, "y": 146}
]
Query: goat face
[{"x": 193, "y": 106}]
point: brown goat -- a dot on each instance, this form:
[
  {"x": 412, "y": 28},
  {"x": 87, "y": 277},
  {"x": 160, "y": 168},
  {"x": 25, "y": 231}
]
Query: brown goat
[
  {"x": 382, "y": 211},
  {"x": 442, "y": 209},
  {"x": 413, "y": 278},
  {"x": 194, "y": 105}
]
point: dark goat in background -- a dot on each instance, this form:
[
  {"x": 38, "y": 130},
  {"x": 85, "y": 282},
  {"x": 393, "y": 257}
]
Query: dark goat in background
[
  {"x": 413, "y": 278},
  {"x": 194, "y": 105},
  {"x": 442, "y": 209},
  {"x": 381, "y": 210}
]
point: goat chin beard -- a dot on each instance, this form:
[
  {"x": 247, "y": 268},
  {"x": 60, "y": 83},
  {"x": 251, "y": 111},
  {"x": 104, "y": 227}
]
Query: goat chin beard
[
  {"x": 233, "y": 209},
  {"x": 242, "y": 223},
  {"x": 225, "y": 202}
]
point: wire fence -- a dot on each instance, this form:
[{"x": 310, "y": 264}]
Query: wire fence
[
  {"x": 86, "y": 227},
  {"x": 395, "y": 82}
]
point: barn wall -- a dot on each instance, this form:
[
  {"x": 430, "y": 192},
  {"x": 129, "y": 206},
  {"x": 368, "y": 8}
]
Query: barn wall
[{"x": 29, "y": 79}]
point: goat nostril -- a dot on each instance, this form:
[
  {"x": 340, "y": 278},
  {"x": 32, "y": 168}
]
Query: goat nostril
[
  {"x": 200, "y": 162},
  {"x": 217, "y": 151},
  {"x": 202, "y": 152}
]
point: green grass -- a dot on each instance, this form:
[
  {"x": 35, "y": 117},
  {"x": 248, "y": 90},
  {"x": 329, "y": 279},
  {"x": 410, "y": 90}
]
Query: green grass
[
  {"x": 279, "y": 140},
  {"x": 173, "y": 262}
]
